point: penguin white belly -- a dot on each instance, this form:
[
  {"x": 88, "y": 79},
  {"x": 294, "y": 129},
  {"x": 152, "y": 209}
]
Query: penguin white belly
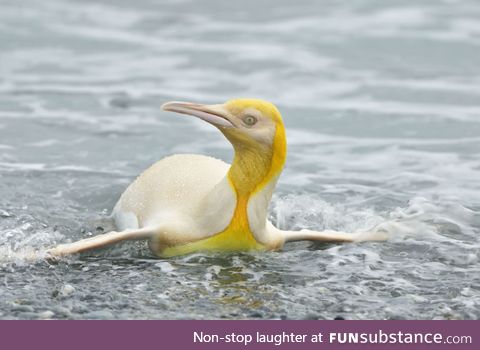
[{"x": 186, "y": 196}]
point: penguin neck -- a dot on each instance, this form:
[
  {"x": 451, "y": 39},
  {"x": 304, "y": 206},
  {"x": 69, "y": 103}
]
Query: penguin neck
[
  {"x": 250, "y": 169},
  {"x": 253, "y": 176},
  {"x": 256, "y": 164}
]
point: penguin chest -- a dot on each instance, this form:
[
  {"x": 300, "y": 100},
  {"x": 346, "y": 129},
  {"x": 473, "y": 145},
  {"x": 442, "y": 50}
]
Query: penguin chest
[
  {"x": 232, "y": 239},
  {"x": 237, "y": 236}
]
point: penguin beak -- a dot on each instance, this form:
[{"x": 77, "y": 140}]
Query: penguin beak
[{"x": 214, "y": 114}]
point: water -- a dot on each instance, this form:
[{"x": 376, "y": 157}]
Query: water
[{"x": 381, "y": 103}]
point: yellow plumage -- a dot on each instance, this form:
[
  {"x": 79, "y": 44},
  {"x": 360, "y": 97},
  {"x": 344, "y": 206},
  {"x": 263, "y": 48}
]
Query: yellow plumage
[{"x": 253, "y": 166}]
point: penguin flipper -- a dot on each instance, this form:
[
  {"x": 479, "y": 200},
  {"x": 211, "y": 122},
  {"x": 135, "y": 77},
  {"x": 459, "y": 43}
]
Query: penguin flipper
[
  {"x": 101, "y": 241},
  {"x": 336, "y": 236}
]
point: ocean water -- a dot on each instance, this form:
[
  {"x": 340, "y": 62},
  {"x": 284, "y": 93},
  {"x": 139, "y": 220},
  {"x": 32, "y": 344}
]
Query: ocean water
[{"x": 381, "y": 101}]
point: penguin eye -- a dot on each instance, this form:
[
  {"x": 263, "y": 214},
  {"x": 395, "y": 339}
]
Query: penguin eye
[{"x": 249, "y": 120}]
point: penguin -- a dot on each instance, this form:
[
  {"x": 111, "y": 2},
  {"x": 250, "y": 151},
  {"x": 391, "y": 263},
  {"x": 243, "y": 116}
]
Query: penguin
[{"x": 187, "y": 203}]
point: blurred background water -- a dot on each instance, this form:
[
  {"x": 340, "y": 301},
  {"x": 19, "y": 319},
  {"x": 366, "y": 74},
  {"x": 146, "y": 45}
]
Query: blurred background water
[{"x": 382, "y": 106}]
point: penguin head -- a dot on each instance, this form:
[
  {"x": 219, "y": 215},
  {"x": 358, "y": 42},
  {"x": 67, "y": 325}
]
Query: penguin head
[
  {"x": 249, "y": 124},
  {"x": 255, "y": 129}
]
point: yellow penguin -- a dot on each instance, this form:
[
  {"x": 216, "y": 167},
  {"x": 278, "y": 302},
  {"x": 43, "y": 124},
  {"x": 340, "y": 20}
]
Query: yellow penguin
[{"x": 188, "y": 203}]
